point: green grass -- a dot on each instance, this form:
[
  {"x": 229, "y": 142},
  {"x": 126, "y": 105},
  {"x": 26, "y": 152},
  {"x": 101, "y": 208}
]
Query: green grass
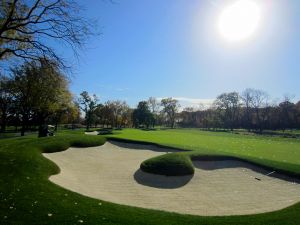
[
  {"x": 27, "y": 196},
  {"x": 275, "y": 152},
  {"x": 175, "y": 164},
  {"x": 7, "y": 135}
]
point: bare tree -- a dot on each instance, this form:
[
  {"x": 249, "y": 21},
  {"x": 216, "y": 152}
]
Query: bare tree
[
  {"x": 247, "y": 98},
  {"x": 28, "y": 27},
  {"x": 153, "y": 105},
  {"x": 260, "y": 103},
  {"x": 170, "y": 108}
]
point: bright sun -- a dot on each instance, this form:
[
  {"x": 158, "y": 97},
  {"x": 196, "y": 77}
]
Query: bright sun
[{"x": 239, "y": 20}]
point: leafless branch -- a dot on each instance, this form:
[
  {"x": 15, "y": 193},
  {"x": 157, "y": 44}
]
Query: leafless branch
[{"x": 26, "y": 29}]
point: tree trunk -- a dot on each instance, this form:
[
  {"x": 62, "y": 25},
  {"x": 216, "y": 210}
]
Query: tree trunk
[
  {"x": 23, "y": 129},
  {"x": 3, "y": 122},
  {"x": 3, "y": 126},
  {"x": 24, "y": 123},
  {"x": 56, "y": 125},
  {"x": 43, "y": 129}
]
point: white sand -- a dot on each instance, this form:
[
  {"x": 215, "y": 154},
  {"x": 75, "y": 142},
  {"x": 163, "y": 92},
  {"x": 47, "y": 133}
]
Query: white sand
[
  {"x": 92, "y": 133},
  {"x": 111, "y": 173}
]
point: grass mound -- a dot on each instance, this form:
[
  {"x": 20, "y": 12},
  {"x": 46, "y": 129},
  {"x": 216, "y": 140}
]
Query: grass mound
[
  {"x": 175, "y": 164},
  {"x": 60, "y": 143}
]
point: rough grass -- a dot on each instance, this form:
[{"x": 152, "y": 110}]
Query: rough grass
[{"x": 27, "y": 197}]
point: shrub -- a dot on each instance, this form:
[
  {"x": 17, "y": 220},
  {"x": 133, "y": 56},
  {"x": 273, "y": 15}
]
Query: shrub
[{"x": 175, "y": 164}]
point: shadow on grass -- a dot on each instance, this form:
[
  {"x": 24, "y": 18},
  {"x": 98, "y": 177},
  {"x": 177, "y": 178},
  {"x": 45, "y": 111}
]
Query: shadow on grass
[{"x": 161, "y": 181}]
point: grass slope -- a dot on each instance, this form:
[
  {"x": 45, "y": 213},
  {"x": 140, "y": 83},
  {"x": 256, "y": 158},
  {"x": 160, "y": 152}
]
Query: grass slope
[{"x": 28, "y": 197}]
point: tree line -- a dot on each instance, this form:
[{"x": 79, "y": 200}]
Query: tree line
[
  {"x": 37, "y": 94},
  {"x": 252, "y": 110},
  {"x": 34, "y": 95},
  {"x": 118, "y": 114}
]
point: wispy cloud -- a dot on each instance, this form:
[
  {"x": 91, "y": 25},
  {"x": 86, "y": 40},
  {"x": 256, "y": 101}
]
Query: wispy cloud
[
  {"x": 196, "y": 103},
  {"x": 122, "y": 89}
]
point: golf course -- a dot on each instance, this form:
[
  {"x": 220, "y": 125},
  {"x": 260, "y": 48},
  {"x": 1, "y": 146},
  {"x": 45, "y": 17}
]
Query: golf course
[
  {"x": 28, "y": 197},
  {"x": 149, "y": 112}
]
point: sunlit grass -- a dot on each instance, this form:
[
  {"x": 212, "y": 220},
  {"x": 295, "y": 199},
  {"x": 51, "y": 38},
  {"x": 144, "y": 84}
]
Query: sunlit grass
[
  {"x": 27, "y": 197},
  {"x": 278, "y": 152}
]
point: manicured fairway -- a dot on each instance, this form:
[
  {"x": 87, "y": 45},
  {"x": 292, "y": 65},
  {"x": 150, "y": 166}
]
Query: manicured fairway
[
  {"x": 28, "y": 197},
  {"x": 278, "y": 152}
]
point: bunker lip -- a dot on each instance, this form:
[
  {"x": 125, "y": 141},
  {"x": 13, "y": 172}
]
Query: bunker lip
[
  {"x": 123, "y": 143},
  {"x": 259, "y": 168},
  {"x": 278, "y": 173},
  {"x": 227, "y": 187}
]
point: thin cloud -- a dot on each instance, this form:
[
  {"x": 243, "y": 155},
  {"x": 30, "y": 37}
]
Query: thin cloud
[
  {"x": 122, "y": 89},
  {"x": 197, "y": 103}
]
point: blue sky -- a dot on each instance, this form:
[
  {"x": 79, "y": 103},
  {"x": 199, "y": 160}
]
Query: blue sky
[{"x": 173, "y": 48}]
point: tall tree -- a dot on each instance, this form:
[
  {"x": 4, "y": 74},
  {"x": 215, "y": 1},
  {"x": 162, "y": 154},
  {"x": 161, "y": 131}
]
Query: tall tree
[
  {"x": 88, "y": 105},
  {"x": 69, "y": 112},
  {"x": 6, "y": 101},
  {"x": 247, "y": 98},
  {"x": 288, "y": 114},
  {"x": 153, "y": 105},
  {"x": 142, "y": 115},
  {"x": 228, "y": 104},
  {"x": 170, "y": 109},
  {"x": 117, "y": 108},
  {"x": 40, "y": 90},
  {"x": 107, "y": 115},
  {"x": 260, "y": 102},
  {"x": 28, "y": 27}
]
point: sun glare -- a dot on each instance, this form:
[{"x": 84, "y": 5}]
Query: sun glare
[{"x": 239, "y": 20}]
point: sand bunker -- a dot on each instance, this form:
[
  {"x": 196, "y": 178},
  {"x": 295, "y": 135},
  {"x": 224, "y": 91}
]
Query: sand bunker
[{"x": 111, "y": 173}]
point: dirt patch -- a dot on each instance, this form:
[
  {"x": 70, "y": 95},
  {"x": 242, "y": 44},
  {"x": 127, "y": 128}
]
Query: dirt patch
[{"x": 228, "y": 187}]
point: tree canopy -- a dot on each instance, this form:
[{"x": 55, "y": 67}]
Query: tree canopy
[{"x": 39, "y": 90}]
